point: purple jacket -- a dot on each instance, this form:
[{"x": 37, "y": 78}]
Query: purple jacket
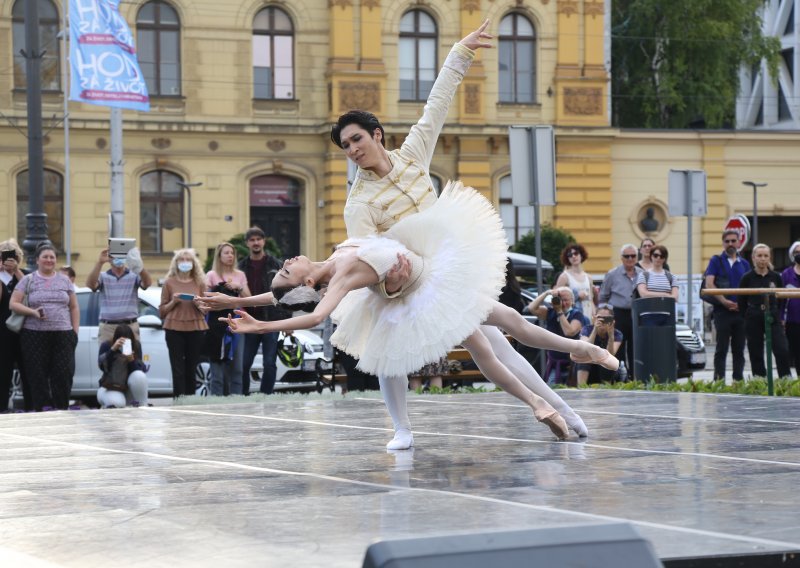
[{"x": 791, "y": 309}]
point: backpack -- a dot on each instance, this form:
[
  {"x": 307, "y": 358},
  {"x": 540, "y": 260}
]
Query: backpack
[{"x": 635, "y": 294}]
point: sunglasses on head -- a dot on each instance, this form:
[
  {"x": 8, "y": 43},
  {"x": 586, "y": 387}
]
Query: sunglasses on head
[
  {"x": 656, "y": 255},
  {"x": 628, "y": 256}
]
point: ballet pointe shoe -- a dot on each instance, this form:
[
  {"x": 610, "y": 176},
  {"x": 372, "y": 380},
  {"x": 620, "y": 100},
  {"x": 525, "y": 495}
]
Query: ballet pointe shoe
[
  {"x": 548, "y": 416},
  {"x": 598, "y": 356},
  {"x": 402, "y": 440}
]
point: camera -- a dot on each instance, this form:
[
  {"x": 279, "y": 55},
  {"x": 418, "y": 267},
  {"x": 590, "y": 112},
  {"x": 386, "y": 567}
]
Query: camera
[
  {"x": 607, "y": 319},
  {"x": 556, "y": 301},
  {"x": 8, "y": 254}
]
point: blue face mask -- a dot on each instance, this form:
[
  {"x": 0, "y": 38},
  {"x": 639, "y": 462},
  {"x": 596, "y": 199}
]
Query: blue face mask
[
  {"x": 185, "y": 266},
  {"x": 118, "y": 262}
]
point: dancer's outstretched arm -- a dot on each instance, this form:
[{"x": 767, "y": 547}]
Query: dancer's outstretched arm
[{"x": 217, "y": 301}]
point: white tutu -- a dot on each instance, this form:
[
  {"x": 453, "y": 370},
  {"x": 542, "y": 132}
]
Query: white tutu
[{"x": 462, "y": 246}]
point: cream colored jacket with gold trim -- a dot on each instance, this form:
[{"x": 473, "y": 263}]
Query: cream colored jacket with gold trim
[{"x": 374, "y": 203}]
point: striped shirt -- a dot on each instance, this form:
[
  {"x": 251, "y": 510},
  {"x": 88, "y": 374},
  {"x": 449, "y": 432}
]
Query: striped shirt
[
  {"x": 119, "y": 299},
  {"x": 656, "y": 281}
]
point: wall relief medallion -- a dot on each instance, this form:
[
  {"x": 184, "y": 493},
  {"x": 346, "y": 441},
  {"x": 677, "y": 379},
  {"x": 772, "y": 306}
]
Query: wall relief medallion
[
  {"x": 276, "y": 145},
  {"x": 161, "y": 143},
  {"x": 583, "y": 101},
  {"x": 364, "y": 96}
]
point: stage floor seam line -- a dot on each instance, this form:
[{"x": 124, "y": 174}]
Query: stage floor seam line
[
  {"x": 226, "y": 464},
  {"x": 494, "y": 438},
  {"x": 638, "y": 415}
]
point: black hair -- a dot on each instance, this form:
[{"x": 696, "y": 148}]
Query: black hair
[
  {"x": 297, "y": 298},
  {"x": 362, "y": 118},
  {"x": 254, "y": 232},
  {"x": 124, "y": 330},
  {"x": 43, "y": 247}
]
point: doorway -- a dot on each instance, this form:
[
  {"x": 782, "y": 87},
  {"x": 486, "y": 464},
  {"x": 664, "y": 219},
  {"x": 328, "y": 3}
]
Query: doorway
[{"x": 275, "y": 207}]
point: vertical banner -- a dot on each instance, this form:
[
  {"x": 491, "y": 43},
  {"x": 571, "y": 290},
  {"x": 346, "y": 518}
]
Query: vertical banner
[{"x": 104, "y": 69}]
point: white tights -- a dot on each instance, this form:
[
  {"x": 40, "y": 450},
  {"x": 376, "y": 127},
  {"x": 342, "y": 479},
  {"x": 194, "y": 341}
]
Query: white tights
[{"x": 394, "y": 389}]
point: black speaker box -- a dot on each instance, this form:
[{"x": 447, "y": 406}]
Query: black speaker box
[{"x": 572, "y": 546}]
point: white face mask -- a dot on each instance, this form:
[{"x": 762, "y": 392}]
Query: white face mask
[{"x": 185, "y": 266}]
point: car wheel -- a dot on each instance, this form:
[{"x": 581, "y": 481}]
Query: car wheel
[{"x": 202, "y": 380}]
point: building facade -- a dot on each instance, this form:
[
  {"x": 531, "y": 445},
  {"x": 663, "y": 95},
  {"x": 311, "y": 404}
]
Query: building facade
[{"x": 243, "y": 94}]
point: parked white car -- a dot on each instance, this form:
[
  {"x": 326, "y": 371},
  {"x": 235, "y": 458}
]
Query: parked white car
[{"x": 155, "y": 354}]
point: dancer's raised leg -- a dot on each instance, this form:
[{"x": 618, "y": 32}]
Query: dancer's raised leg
[
  {"x": 528, "y": 376},
  {"x": 515, "y": 325},
  {"x": 394, "y": 390},
  {"x": 481, "y": 351}
]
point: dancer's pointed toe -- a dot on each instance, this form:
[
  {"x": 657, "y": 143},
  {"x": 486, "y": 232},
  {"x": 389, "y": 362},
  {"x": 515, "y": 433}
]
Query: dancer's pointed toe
[
  {"x": 557, "y": 425},
  {"x": 601, "y": 357}
]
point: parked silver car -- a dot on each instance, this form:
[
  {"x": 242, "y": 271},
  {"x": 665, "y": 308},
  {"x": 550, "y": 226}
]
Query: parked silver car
[{"x": 155, "y": 354}]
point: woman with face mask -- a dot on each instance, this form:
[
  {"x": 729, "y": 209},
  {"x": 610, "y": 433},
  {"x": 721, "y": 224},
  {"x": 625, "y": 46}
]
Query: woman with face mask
[
  {"x": 790, "y": 314},
  {"x": 184, "y": 323},
  {"x": 753, "y": 307}
]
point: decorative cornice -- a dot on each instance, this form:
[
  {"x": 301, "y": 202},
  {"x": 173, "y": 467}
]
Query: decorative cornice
[
  {"x": 471, "y": 5},
  {"x": 341, "y": 3},
  {"x": 371, "y": 4},
  {"x": 594, "y": 9}
]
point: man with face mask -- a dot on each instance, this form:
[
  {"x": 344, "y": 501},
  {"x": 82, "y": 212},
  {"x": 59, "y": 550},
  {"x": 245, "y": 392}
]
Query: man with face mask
[
  {"x": 118, "y": 286},
  {"x": 790, "y": 312},
  {"x": 725, "y": 271}
]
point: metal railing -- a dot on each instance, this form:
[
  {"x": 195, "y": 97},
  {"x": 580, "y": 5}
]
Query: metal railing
[{"x": 769, "y": 294}]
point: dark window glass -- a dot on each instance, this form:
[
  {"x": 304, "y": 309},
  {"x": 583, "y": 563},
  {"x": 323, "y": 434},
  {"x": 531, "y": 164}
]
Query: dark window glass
[
  {"x": 48, "y": 42},
  {"x": 417, "y": 55},
  {"x": 161, "y": 212},
  {"x": 516, "y": 46},
  {"x": 53, "y": 206},
  {"x": 158, "y": 48},
  {"x": 273, "y": 55}
]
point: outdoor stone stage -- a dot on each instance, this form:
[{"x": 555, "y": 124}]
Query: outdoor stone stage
[{"x": 307, "y": 482}]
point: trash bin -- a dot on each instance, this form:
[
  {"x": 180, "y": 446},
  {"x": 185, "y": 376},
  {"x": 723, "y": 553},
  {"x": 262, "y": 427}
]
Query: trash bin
[{"x": 654, "y": 349}]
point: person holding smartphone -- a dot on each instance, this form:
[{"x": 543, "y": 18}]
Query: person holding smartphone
[
  {"x": 124, "y": 381},
  {"x": 10, "y": 350},
  {"x": 184, "y": 324},
  {"x": 603, "y": 333}
]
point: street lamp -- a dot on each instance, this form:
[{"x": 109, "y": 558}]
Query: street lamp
[
  {"x": 187, "y": 186},
  {"x": 755, "y": 187}
]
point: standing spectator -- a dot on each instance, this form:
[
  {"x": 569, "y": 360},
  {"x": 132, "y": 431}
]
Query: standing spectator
[
  {"x": 260, "y": 268},
  {"x": 604, "y": 334},
  {"x": 574, "y": 276},
  {"x": 511, "y": 294},
  {"x": 124, "y": 380},
  {"x": 184, "y": 323},
  {"x": 69, "y": 272},
  {"x": 645, "y": 262},
  {"x": 753, "y": 307},
  {"x": 119, "y": 299},
  {"x": 50, "y": 332},
  {"x": 10, "y": 353},
  {"x": 561, "y": 318},
  {"x": 617, "y": 290},
  {"x": 725, "y": 271},
  {"x": 657, "y": 283},
  {"x": 225, "y": 350},
  {"x": 790, "y": 314}
]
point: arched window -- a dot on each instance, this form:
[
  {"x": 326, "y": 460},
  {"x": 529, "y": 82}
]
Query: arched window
[
  {"x": 273, "y": 55},
  {"x": 516, "y": 47},
  {"x": 161, "y": 212},
  {"x": 517, "y": 221},
  {"x": 53, "y": 206},
  {"x": 158, "y": 47},
  {"x": 417, "y": 55},
  {"x": 48, "y": 42}
]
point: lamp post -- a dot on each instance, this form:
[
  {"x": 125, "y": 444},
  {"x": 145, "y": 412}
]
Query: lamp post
[
  {"x": 755, "y": 187},
  {"x": 187, "y": 186}
]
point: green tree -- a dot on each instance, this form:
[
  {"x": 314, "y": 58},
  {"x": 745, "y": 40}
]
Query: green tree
[
  {"x": 270, "y": 247},
  {"x": 553, "y": 242},
  {"x": 676, "y": 63}
]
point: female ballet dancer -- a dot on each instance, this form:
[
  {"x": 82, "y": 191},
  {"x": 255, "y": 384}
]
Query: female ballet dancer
[{"x": 448, "y": 297}]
